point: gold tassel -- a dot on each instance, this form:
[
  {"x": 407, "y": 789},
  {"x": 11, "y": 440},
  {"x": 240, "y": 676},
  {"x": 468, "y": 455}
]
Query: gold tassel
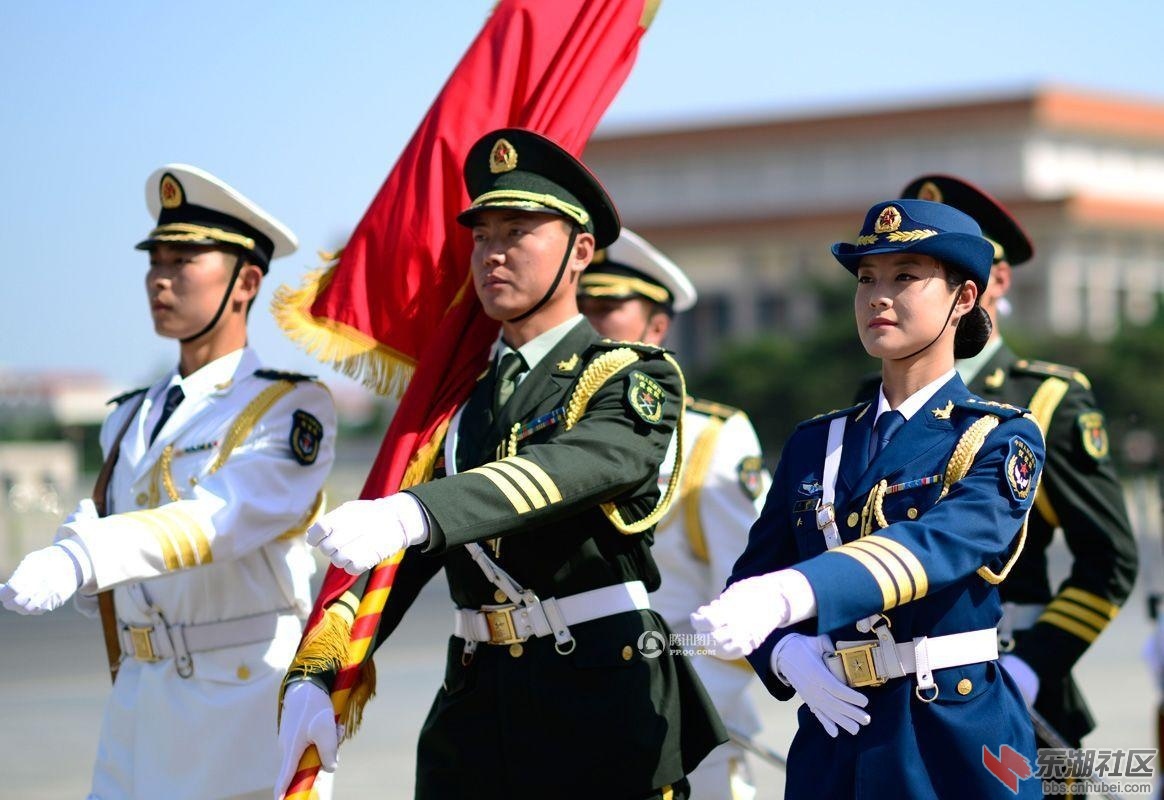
[
  {"x": 363, "y": 690},
  {"x": 324, "y": 647},
  {"x": 351, "y": 352},
  {"x": 420, "y": 466}
]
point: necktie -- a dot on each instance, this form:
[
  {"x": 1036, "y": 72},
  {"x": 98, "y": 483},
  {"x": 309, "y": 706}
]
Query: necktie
[
  {"x": 887, "y": 425},
  {"x": 174, "y": 398},
  {"x": 512, "y": 365}
]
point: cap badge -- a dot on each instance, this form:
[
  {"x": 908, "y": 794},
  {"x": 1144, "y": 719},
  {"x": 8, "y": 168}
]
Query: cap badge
[
  {"x": 502, "y": 158},
  {"x": 888, "y": 220},
  {"x": 170, "y": 192},
  {"x": 930, "y": 191}
]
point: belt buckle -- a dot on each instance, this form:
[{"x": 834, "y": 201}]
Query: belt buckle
[
  {"x": 825, "y": 515},
  {"x": 143, "y": 644},
  {"x": 501, "y": 627},
  {"x": 860, "y": 669}
]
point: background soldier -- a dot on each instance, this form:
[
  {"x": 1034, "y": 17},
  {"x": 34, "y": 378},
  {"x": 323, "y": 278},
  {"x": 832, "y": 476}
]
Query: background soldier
[
  {"x": 219, "y": 471},
  {"x": 1047, "y": 631},
  {"x": 630, "y": 292},
  {"x": 558, "y": 682}
]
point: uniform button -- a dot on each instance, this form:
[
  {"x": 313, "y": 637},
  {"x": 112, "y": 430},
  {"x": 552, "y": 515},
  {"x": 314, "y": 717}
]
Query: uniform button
[
  {"x": 853, "y": 519},
  {"x": 627, "y": 653},
  {"x": 912, "y": 513},
  {"x": 193, "y": 481},
  {"x": 142, "y": 499},
  {"x": 243, "y": 672},
  {"x": 499, "y": 596},
  {"x": 516, "y": 650},
  {"x": 965, "y": 686}
]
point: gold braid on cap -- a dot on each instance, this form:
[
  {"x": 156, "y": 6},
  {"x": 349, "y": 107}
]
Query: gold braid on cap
[
  {"x": 602, "y": 284},
  {"x": 186, "y": 232},
  {"x": 517, "y": 198},
  {"x": 596, "y": 374}
]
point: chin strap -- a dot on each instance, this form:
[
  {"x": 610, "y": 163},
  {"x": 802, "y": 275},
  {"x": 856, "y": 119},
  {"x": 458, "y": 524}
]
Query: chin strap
[
  {"x": 238, "y": 265},
  {"x": 557, "y": 279},
  {"x": 940, "y": 332}
]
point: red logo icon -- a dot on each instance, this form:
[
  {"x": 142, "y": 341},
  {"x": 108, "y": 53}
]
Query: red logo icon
[{"x": 1009, "y": 766}]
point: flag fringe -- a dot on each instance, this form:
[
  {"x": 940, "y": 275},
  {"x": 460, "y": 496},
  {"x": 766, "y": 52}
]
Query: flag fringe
[
  {"x": 363, "y": 690},
  {"x": 351, "y": 352}
]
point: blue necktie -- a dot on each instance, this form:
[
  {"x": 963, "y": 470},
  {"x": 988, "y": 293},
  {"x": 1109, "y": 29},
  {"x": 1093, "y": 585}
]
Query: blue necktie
[
  {"x": 887, "y": 425},
  {"x": 174, "y": 398}
]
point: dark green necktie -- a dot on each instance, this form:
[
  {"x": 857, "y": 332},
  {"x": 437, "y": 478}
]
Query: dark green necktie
[{"x": 512, "y": 365}]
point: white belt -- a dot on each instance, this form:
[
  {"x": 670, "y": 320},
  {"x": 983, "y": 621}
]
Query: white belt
[
  {"x": 161, "y": 641},
  {"x": 513, "y": 622},
  {"x": 872, "y": 663}
]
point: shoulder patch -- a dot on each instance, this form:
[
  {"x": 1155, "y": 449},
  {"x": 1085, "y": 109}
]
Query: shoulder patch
[
  {"x": 306, "y": 434},
  {"x": 710, "y": 409},
  {"x": 121, "y": 398},
  {"x": 751, "y": 474},
  {"x": 1049, "y": 369},
  {"x": 842, "y": 412},
  {"x": 1094, "y": 435},
  {"x": 977, "y": 405},
  {"x": 1020, "y": 468},
  {"x": 281, "y": 375},
  {"x": 645, "y": 397}
]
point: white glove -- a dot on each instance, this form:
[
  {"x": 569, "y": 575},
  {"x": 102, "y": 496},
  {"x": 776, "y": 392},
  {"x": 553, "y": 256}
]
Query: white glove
[
  {"x": 43, "y": 581},
  {"x": 1024, "y": 676},
  {"x": 308, "y": 718},
  {"x": 359, "y": 535},
  {"x": 740, "y": 619},
  {"x": 798, "y": 660}
]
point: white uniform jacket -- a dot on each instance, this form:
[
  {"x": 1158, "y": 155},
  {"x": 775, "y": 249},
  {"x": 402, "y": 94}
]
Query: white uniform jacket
[
  {"x": 206, "y": 525},
  {"x": 720, "y": 496}
]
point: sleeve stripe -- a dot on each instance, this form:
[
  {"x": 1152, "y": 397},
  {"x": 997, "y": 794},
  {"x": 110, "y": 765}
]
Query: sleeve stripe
[
  {"x": 917, "y": 572},
  {"x": 192, "y": 542},
  {"x": 1089, "y": 618},
  {"x": 901, "y": 579},
  {"x": 148, "y": 520},
  {"x": 524, "y": 483},
  {"x": 1071, "y": 626},
  {"x": 503, "y": 484},
  {"x": 539, "y": 475},
  {"x": 877, "y": 570},
  {"x": 1092, "y": 601}
]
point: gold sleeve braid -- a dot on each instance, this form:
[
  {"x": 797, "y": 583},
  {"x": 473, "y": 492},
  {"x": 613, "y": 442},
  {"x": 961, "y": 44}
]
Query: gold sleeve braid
[
  {"x": 596, "y": 374},
  {"x": 1043, "y": 404}
]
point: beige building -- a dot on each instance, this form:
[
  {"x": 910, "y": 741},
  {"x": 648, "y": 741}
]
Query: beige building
[{"x": 749, "y": 208}]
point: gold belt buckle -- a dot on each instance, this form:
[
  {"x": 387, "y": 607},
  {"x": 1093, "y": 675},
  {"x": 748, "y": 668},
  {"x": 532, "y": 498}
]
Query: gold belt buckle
[
  {"x": 143, "y": 645},
  {"x": 501, "y": 627},
  {"x": 860, "y": 669}
]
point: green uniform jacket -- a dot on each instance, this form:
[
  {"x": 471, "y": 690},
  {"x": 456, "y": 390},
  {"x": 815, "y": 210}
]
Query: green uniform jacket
[
  {"x": 604, "y": 720},
  {"x": 1081, "y": 494}
]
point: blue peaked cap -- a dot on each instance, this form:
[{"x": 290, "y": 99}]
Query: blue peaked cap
[{"x": 923, "y": 227}]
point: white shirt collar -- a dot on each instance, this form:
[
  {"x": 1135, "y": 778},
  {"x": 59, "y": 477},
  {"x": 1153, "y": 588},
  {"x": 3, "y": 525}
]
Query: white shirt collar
[
  {"x": 540, "y": 346},
  {"x": 912, "y": 404},
  {"x": 216, "y": 375}
]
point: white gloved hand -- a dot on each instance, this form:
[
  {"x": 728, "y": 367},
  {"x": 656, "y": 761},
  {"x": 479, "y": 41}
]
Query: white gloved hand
[
  {"x": 798, "y": 660},
  {"x": 740, "y": 619},
  {"x": 359, "y": 535},
  {"x": 308, "y": 718},
  {"x": 42, "y": 582},
  {"x": 1024, "y": 676}
]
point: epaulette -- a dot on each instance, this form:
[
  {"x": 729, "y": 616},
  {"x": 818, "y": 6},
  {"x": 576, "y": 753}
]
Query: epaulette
[
  {"x": 281, "y": 375},
  {"x": 977, "y": 405},
  {"x": 841, "y": 412},
  {"x": 1050, "y": 370},
  {"x": 710, "y": 409},
  {"x": 642, "y": 348},
  {"x": 121, "y": 398}
]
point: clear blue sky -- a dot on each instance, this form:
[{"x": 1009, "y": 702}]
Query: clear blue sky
[{"x": 304, "y": 106}]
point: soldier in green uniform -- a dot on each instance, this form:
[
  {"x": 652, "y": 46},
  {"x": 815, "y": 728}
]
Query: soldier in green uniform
[
  {"x": 558, "y": 681},
  {"x": 1045, "y": 630}
]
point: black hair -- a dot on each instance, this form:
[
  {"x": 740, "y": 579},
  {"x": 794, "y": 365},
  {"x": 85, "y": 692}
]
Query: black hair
[{"x": 974, "y": 327}]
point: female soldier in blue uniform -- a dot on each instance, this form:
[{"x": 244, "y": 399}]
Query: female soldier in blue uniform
[{"x": 869, "y": 584}]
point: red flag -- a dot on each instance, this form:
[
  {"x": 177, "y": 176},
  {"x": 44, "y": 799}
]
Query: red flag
[{"x": 399, "y": 307}]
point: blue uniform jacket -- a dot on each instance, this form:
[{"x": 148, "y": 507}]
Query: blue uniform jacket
[{"x": 932, "y": 571}]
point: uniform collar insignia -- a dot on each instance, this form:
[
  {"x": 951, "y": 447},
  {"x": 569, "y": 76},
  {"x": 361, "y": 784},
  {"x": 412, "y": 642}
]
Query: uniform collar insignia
[
  {"x": 569, "y": 364},
  {"x": 943, "y": 413},
  {"x": 995, "y": 379}
]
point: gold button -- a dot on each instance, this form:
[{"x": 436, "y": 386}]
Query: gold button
[
  {"x": 965, "y": 686},
  {"x": 193, "y": 481},
  {"x": 627, "y": 653},
  {"x": 142, "y": 499},
  {"x": 912, "y": 513},
  {"x": 516, "y": 650},
  {"x": 853, "y": 519},
  {"x": 243, "y": 672},
  {"x": 499, "y": 596}
]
